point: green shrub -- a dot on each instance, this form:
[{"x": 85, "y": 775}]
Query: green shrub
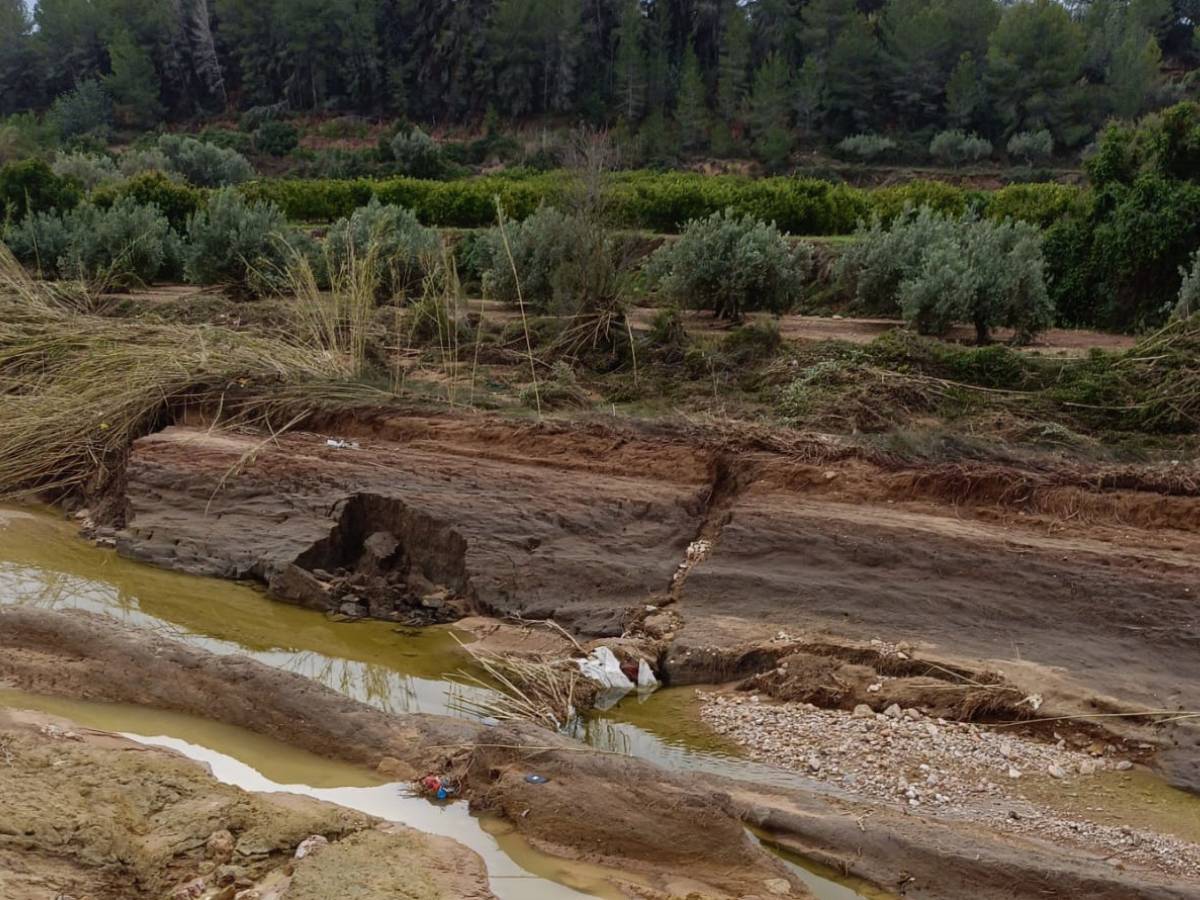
[
  {"x": 31, "y": 186},
  {"x": 22, "y": 136},
  {"x": 417, "y": 155},
  {"x": 127, "y": 244},
  {"x": 889, "y": 203},
  {"x": 559, "y": 263},
  {"x": 1117, "y": 263},
  {"x": 752, "y": 343},
  {"x": 866, "y": 146},
  {"x": 227, "y": 140},
  {"x": 664, "y": 202},
  {"x": 123, "y": 245},
  {"x": 204, "y": 165},
  {"x": 84, "y": 111},
  {"x": 405, "y": 250},
  {"x": 1038, "y": 204},
  {"x": 236, "y": 243},
  {"x": 730, "y": 264},
  {"x": 938, "y": 270},
  {"x": 315, "y": 200},
  {"x": 146, "y": 159},
  {"x": 344, "y": 127},
  {"x": 89, "y": 169},
  {"x": 256, "y": 116},
  {"x": 1031, "y": 146},
  {"x": 338, "y": 162},
  {"x": 176, "y": 200},
  {"x": 956, "y": 147},
  {"x": 1188, "y": 303},
  {"x": 881, "y": 257},
  {"x": 39, "y": 240},
  {"x": 276, "y": 138}
]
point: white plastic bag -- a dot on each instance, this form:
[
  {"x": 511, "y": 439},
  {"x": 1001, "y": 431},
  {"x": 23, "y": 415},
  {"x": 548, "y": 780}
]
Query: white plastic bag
[
  {"x": 646, "y": 679},
  {"x": 603, "y": 667}
]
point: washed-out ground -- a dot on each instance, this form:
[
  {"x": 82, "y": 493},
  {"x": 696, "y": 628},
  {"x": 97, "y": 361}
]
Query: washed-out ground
[
  {"x": 826, "y": 579},
  {"x": 86, "y": 814}
]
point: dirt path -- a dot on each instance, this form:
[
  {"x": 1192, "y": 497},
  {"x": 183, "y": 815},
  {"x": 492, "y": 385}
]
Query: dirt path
[{"x": 1053, "y": 342}]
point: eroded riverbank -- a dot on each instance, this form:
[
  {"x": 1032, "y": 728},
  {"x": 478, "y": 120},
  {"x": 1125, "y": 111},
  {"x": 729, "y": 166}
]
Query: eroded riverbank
[{"x": 405, "y": 653}]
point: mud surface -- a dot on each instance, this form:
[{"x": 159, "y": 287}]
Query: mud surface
[
  {"x": 79, "y": 655},
  {"x": 86, "y": 814},
  {"x": 1061, "y": 587},
  {"x": 988, "y": 593},
  {"x": 674, "y": 834}
]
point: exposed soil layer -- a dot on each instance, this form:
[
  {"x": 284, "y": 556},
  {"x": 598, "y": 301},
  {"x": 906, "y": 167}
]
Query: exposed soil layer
[
  {"x": 627, "y": 829},
  {"x": 88, "y": 814},
  {"x": 681, "y": 834},
  {"x": 1046, "y": 576},
  {"x": 495, "y": 534}
]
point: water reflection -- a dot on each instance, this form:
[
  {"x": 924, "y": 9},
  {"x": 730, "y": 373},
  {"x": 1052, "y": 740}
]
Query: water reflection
[{"x": 43, "y": 564}]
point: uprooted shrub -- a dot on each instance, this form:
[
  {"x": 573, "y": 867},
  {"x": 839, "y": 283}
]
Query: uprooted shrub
[
  {"x": 731, "y": 265},
  {"x": 204, "y": 164},
  {"x": 125, "y": 244},
  {"x": 404, "y": 249},
  {"x": 936, "y": 270},
  {"x": 240, "y": 244}
]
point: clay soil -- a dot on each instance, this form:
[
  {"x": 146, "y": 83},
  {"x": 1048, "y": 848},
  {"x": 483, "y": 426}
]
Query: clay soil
[
  {"x": 87, "y": 814},
  {"x": 973, "y": 592}
]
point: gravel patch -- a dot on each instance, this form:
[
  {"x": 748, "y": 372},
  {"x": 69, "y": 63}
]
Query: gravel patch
[{"x": 932, "y": 766}]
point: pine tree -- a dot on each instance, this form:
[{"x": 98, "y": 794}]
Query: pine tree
[
  {"x": 852, "y": 77},
  {"x": 19, "y": 73},
  {"x": 692, "y": 109},
  {"x": 133, "y": 83},
  {"x": 734, "y": 63},
  {"x": 964, "y": 93},
  {"x": 1035, "y": 58},
  {"x": 1133, "y": 72},
  {"x": 631, "y": 63},
  {"x": 810, "y": 92},
  {"x": 770, "y": 107}
]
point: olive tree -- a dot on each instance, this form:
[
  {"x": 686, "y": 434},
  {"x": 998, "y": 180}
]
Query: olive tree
[{"x": 731, "y": 264}]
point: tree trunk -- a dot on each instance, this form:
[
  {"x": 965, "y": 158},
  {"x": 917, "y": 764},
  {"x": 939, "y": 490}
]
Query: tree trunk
[{"x": 196, "y": 53}]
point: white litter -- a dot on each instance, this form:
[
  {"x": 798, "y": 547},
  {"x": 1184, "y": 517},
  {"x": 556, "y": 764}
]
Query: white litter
[
  {"x": 646, "y": 677},
  {"x": 603, "y": 667},
  {"x": 337, "y": 444}
]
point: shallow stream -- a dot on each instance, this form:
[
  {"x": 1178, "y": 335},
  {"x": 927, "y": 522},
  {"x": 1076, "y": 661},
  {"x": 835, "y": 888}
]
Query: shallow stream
[{"x": 43, "y": 563}]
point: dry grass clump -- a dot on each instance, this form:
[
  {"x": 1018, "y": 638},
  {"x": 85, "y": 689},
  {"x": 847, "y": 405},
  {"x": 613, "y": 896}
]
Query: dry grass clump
[
  {"x": 547, "y": 693},
  {"x": 76, "y": 389}
]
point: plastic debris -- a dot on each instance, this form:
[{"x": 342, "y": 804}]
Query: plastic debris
[
  {"x": 310, "y": 845},
  {"x": 437, "y": 786},
  {"x": 536, "y": 779},
  {"x": 646, "y": 679},
  {"x": 338, "y": 444},
  {"x": 603, "y": 667}
]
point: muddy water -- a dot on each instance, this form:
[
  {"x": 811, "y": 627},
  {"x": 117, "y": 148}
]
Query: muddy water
[
  {"x": 257, "y": 763},
  {"x": 43, "y": 563}
]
